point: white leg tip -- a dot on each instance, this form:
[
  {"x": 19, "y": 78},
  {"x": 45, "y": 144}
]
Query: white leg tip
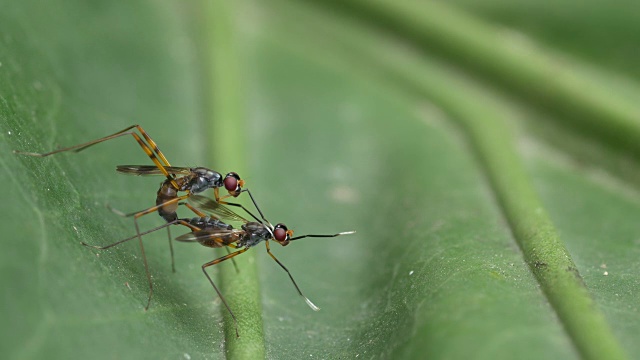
[{"x": 311, "y": 305}]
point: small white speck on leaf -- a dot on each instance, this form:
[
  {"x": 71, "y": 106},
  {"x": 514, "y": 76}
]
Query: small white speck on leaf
[
  {"x": 9, "y": 132},
  {"x": 410, "y": 272},
  {"x": 606, "y": 273}
]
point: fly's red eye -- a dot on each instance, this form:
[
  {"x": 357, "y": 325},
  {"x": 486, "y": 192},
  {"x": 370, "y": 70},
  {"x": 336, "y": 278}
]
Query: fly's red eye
[
  {"x": 231, "y": 182},
  {"x": 280, "y": 232}
]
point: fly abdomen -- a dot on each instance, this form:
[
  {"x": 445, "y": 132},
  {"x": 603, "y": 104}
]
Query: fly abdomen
[
  {"x": 167, "y": 193},
  {"x": 216, "y": 242}
]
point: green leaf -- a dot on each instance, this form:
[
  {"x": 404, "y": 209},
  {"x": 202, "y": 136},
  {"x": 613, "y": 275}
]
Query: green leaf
[
  {"x": 494, "y": 198},
  {"x": 71, "y": 72}
]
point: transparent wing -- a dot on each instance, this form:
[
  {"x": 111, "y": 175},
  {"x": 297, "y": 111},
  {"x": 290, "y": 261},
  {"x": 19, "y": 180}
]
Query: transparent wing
[
  {"x": 218, "y": 235},
  {"x": 151, "y": 170},
  {"x": 214, "y": 209}
]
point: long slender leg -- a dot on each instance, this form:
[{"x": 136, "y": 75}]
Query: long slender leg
[
  {"x": 243, "y": 208},
  {"x": 179, "y": 221},
  {"x": 220, "y": 201},
  {"x": 193, "y": 228},
  {"x": 150, "y": 149},
  {"x": 152, "y": 144},
  {"x": 255, "y": 204},
  {"x": 216, "y": 261},
  {"x": 138, "y": 214},
  {"x": 155, "y": 160},
  {"x": 148, "y": 211},
  {"x": 146, "y": 264},
  {"x": 201, "y": 214},
  {"x": 79, "y": 147},
  {"x": 235, "y": 265},
  {"x": 144, "y": 257},
  {"x": 218, "y": 198},
  {"x": 311, "y": 305},
  {"x": 196, "y": 211},
  {"x": 173, "y": 262},
  {"x": 151, "y": 209}
]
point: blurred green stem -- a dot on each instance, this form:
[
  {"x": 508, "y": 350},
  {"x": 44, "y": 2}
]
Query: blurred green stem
[{"x": 242, "y": 290}]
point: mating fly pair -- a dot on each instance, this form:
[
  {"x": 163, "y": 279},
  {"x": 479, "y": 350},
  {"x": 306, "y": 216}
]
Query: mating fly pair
[
  {"x": 209, "y": 231},
  {"x": 191, "y": 181}
]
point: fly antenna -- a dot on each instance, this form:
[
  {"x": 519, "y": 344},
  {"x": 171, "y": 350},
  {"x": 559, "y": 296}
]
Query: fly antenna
[{"x": 322, "y": 236}]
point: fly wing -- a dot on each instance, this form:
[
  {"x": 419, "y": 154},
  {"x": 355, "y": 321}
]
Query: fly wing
[
  {"x": 212, "y": 237},
  {"x": 151, "y": 170},
  {"x": 214, "y": 209}
]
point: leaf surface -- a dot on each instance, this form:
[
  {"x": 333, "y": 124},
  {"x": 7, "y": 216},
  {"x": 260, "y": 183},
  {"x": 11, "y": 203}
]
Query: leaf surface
[{"x": 492, "y": 222}]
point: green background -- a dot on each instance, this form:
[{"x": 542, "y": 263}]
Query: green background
[{"x": 485, "y": 153}]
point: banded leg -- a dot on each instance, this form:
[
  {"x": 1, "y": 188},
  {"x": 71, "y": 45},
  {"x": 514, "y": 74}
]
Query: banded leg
[
  {"x": 217, "y": 261},
  {"x": 151, "y": 149},
  {"x": 311, "y": 305},
  {"x": 152, "y": 144}
]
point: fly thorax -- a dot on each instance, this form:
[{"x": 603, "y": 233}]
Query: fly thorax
[
  {"x": 203, "y": 179},
  {"x": 255, "y": 234}
]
